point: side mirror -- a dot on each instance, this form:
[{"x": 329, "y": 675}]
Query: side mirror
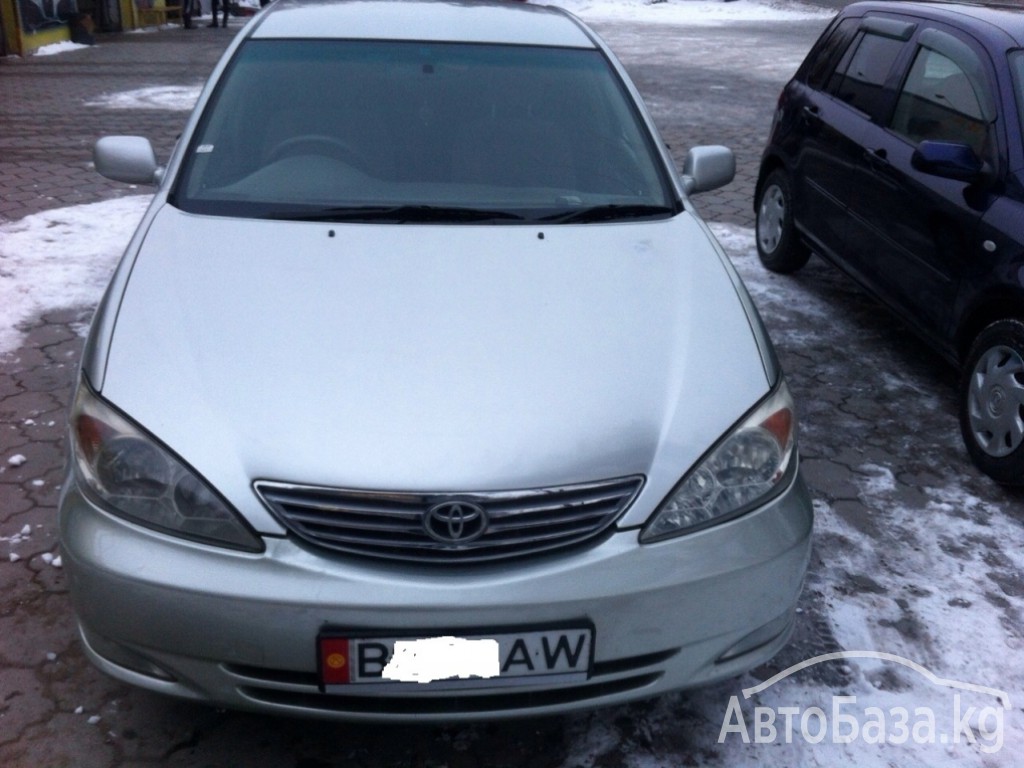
[
  {"x": 949, "y": 160},
  {"x": 708, "y": 168},
  {"x": 127, "y": 158}
]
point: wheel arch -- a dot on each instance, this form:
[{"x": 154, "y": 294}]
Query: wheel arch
[
  {"x": 769, "y": 163},
  {"x": 1005, "y": 304}
]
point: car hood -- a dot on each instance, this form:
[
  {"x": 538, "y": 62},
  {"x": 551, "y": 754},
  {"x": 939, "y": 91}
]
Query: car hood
[{"x": 431, "y": 358}]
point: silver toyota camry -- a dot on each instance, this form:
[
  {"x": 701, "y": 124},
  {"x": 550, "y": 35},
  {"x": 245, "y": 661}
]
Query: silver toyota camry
[{"x": 422, "y": 392}]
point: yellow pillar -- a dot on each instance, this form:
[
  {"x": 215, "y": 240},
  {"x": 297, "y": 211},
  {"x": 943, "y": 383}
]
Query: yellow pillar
[
  {"x": 32, "y": 41},
  {"x": 12, "y": 26}
]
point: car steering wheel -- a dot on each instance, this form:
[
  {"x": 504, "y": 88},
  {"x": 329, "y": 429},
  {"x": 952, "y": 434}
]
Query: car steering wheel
[{"x": 316, "y": 144}]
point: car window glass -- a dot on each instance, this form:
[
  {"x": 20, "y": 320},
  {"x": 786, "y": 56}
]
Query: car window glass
[
  {"x": 1017, "y": 68},
  {"x": 940, "y": 102},
  {"x": 823, "y": 61},
  {"x": 860, "y": 78},
  {"x": 311, "y": 124}
]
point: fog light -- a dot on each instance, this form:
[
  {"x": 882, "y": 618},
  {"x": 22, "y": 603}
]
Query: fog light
[
  {"x": 120, "y": 656},
  {"x": 773, "y": 630}
]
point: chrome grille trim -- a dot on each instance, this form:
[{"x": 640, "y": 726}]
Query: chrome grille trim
[{"x": 391, "y": 525}]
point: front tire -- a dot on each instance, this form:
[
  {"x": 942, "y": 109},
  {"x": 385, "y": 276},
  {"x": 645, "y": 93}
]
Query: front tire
[
  {"x": 992, "y": 402},
  {"x": 778, "y": 244}
]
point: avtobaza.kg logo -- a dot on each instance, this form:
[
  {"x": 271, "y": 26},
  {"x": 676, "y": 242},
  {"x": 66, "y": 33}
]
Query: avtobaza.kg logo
[{"x": 847, "y": 721}]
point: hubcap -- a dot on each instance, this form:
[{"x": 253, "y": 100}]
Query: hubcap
[
  {"x": 996, "y": 401},
  {"x": 770, "y": 218}
]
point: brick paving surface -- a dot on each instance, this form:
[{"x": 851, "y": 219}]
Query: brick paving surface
[
  {"x": 52, "y": 704},
  {"x": 50, "y": 125}
]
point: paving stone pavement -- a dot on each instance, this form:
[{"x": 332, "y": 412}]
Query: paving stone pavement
[
  {"x": 55, "y": 709},
  {"x": 51, "y": 705},
  {"x": 49, "y": 125}
]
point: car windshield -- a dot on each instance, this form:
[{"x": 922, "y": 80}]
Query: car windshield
[{"x": 408, "y": 131}]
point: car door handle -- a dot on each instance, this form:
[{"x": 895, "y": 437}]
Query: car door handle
[
  {"x": 811, "y": 114},
  {"x": 877, "y": 158}
]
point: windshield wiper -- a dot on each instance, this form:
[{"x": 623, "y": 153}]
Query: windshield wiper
[
  {"x": 398, "y": 214},
  {"x": 610, "y": 212}
]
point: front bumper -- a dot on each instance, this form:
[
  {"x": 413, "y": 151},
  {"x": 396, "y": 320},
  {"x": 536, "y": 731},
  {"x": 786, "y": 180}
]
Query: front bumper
[{"x": 239, "y": 630}]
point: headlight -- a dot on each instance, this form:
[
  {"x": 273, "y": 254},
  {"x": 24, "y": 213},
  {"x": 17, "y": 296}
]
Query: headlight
[
  {"x": 137, "y": 478},
  {"x": 743, "y": 470}
]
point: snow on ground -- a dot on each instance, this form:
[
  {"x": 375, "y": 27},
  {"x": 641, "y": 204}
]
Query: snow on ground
[
  {"x": 55, "y": 48},
  {"x": 689, "y": 12},
  {"x": 940, "y": 593},
  {"x": 60, "y": 259},
  {"x": 173, "y": 97}
]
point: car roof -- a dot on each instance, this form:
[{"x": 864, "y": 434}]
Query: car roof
[
  {"x": 423, "y": 20},
  {"x": 1009, "y": 18}
]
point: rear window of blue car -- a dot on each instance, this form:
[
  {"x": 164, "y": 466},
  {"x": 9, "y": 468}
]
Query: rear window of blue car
[
  {"x": 860, "y": 78},
  {"x": 826, "y": 54}
]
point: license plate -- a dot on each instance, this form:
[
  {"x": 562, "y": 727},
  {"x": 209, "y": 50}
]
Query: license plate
[{"x": 434, "y": 662}]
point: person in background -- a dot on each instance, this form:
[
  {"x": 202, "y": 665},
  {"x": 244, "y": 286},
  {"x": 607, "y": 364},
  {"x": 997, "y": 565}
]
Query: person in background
[{"x": 224, "y": 5}]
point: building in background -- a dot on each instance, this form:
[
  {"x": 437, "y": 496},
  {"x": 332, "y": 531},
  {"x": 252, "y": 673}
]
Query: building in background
[{"x": 27, "y": 25}]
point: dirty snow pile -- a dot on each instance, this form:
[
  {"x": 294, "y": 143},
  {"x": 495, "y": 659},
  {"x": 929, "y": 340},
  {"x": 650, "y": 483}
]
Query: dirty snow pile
[{"x": 61, "y": 259}]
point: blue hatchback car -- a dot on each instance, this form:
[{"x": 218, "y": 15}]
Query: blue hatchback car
[{"x": 896, "y": 153}]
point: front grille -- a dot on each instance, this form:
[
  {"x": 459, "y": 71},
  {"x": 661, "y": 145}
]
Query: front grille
[{"x": 449, "y": 527}]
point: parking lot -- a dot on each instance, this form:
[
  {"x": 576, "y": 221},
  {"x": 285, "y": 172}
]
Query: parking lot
[{"x": 917, "y": 554}]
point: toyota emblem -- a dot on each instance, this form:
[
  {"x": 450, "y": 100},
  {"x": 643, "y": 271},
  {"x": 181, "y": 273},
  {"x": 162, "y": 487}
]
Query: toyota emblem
[{"x": 455, "y": 522}]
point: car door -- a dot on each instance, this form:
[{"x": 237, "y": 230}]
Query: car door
[
  {"x": 835, "y": 118},
  {"x": 916, "y": 228}
]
